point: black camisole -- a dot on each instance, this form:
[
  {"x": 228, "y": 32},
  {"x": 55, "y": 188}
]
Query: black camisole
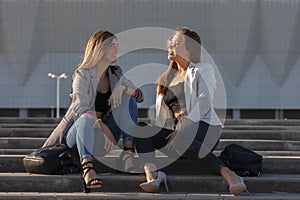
[
  {"x": 101, "y": 103},
  {"x": 175, "y": 98}
]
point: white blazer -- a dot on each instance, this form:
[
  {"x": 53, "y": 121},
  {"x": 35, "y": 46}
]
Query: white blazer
[{"x": 199, "y": 89}]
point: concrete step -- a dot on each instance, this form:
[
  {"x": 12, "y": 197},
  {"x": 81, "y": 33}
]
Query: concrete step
[
  {"x": 226, "y": 127},
  {"x": 263, "y": 153},
  {"x": 263, "y": 122},
  {"x": 26, "y": 132},
  {"x": 21, "y": 142},
  {"x": 28, "y": 125},
  {"x": 39, "y": 120},
  {"x": 261, "y": 145},
  {"x": 255, "y": 144},
  {"x": 28, "y": 120},
  {"x": 15, "y": 143},
  {"x": 260, "y": 127},
  {"x": 15, "y": 151},
  {"x": 266, "y": 183},
  {"x": 284, "y": 134},
  {"x": 144, "y": 196},
  {"x": 271, "y": 164},
  {"x": 293, "y": 135}
]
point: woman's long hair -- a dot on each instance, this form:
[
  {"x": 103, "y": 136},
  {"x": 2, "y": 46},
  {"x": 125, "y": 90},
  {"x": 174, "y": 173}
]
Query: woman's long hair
[
  {"x": 193, "y": 46},
  {"x": 95, "y": 49}
]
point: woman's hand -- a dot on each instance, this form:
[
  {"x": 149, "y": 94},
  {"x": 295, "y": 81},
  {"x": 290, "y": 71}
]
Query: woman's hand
[
  {"x": 185, "y": 122},
  {"x": 116, "y": 96},
  {"x": 170, "y": 138},
  {"x": 109, "y": 139}
]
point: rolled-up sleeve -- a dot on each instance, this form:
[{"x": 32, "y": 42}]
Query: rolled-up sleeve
[
  {"x": 129, "y": 83},
  {"x": 80, "y": 96}
]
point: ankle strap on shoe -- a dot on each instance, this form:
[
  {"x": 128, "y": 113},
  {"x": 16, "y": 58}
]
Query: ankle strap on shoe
[
  {"x": 87, "y": 162},
  {"x": 85, "y": 170}
]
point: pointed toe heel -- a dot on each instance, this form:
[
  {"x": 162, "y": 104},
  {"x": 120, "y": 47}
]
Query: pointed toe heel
[
  {"x": 153, "y": 186},
  {"x": 238, "y": 188},
  {"x": 149, "y": 186}
]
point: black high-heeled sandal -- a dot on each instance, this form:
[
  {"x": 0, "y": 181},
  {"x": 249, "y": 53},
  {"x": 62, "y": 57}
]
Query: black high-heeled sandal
[{"x": 87, "y": 186}]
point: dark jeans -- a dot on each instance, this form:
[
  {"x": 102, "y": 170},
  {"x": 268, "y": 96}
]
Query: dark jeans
[
  {"x": 193, "y": 142},
  {"x": 116, "y": 123}
]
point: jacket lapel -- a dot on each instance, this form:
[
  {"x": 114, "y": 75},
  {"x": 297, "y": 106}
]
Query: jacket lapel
[
  {"x": 113, "y": 78},
  {"x": 188, "y": 85},
  {"x": 93, "y": 79}
]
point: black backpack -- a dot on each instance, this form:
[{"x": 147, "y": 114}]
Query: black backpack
[
  {"x": 57, "y": 159},
  {"x": 241, "y": 160}
]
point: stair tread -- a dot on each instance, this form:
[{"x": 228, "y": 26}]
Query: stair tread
[
  {"x": 135, "y": 176},
  {"x": 279, "y": 177},
  {"x": 159, "y": 155},
  {"x": 140, "y": 195},
  {"x": 183, "y": 184}
]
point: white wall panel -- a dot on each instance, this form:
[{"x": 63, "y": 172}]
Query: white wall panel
[{"x": 255, "y": 44}]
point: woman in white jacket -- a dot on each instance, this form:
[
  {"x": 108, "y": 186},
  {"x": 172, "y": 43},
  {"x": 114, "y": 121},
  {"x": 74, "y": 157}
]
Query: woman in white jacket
[{"x": 186, "y": 122}]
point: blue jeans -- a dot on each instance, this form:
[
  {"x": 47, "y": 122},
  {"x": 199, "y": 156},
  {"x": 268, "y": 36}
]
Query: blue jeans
[{"x": 83, "y": 135}]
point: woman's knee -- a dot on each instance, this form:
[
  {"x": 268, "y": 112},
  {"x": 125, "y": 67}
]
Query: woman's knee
[
  {"x": 87, "y": 115},
  {"x": 84, "y": 119}
]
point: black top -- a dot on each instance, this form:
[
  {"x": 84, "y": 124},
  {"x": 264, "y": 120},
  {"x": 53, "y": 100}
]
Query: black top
[
  {"x": 101, "y": 103},
  {"x": 174, "y": 97}
]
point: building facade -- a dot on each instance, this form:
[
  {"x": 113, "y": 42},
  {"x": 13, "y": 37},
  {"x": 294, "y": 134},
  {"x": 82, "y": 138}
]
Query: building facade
[{"x": 254, "y": 44}]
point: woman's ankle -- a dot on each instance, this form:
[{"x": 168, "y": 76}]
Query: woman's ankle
[
  {"x": 151, "y": 171},
  {"x": 88, "y": 171},
  {"x": 230, "y": 176},
  {"x": 86, "y": 161},
  {"x": 128, "y": 146}
]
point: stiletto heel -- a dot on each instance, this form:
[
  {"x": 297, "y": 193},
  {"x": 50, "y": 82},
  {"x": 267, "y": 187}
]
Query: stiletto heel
[
  {"x": 238, "y": 188},
  {"x": 165, "y": 181},
  {"x": 85, "y": 189},
  {"x": 153, "y": 186},
  {"x": 93, "y": 183}
]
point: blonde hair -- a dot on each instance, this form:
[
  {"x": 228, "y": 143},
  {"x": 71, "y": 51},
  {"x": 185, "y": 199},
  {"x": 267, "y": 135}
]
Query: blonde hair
[
  {"x": 96, "y": 48},
  {"x": 193, "y": 46}
]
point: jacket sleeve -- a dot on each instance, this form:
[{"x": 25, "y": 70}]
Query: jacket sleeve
[
  {"x": 80, "y": 96},
  {"x": 125, "y": 81},
  {"x": 203, "y": 92}
]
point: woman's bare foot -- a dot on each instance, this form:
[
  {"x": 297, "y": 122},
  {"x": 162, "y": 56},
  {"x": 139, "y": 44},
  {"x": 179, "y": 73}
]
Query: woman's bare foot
[{"x": 230, "y": 176}]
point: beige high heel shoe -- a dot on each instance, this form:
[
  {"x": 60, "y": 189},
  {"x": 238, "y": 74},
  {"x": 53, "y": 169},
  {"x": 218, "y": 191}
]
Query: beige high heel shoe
[
  {"x": 235, "y": 188},
  {"x": 153, "y": 186},
  {"x": 238, "y": 188}
]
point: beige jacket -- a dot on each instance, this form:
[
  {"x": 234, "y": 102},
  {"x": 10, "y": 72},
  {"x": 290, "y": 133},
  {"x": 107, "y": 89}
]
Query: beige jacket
[{"x": 84, "y": 90}]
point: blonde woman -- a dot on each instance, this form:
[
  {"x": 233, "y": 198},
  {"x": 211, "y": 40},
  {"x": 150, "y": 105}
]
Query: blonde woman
[{"x": 98, "y": 90}]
